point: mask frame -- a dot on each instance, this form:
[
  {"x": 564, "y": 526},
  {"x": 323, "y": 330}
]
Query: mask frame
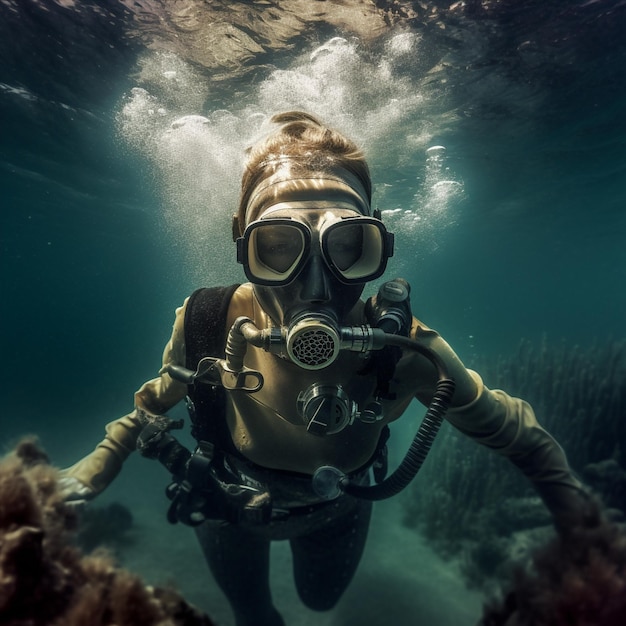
[{"x": 377, "y": 248}]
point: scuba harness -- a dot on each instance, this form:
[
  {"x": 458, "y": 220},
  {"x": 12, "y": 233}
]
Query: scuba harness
[{"x": 205, "y": 485}]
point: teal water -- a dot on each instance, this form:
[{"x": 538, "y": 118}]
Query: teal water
[{"x": 119, "y": 166}]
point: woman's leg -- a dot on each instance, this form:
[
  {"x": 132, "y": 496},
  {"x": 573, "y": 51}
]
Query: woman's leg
[
  {"x": 325, "y": 560},
  {"x": 239, "y": 561}
]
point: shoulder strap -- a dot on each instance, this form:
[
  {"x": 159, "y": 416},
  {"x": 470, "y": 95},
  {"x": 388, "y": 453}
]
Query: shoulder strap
[
  {"x": 205, "y": 335},
  {"x": 205, "y": 323}
]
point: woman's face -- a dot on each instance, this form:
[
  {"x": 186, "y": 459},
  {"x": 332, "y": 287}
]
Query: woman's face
[{"x": 314, "y": 287}]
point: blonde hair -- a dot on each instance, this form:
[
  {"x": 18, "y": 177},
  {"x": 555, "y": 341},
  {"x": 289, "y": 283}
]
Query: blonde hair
[{"x": 309, "y": 146}]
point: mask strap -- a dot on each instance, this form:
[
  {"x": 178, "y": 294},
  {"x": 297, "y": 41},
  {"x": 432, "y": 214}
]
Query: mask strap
[{"x": 279, "y": 187}]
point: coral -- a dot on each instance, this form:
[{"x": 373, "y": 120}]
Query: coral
[
  {"x": 608, "y": 478},
  {"x": 485, "y": 561},
  {"x": 576, "y": 580},
  {"x": 46, "y": 581}
]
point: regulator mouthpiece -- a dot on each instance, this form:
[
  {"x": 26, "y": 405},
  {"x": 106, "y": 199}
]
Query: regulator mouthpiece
[{"x": 314, "y": 340}]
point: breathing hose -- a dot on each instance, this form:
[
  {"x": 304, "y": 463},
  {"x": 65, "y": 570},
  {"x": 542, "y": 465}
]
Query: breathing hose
[{"x": 329, "y": 482}]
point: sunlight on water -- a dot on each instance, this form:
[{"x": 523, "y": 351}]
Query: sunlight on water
[
  {"x": 197, "y": 154},
  {"x": 430, "y": 209},
  {"x": 425, "y": 221},
  {"x": 367, "y": 98}
]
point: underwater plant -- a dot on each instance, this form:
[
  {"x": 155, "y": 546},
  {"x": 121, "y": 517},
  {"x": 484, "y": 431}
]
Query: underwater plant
[
  {"x": 470, "y": 503},
  {"x": 47, "y": 581},
  {"x": 574, "y": 580},
  {"x": 578, "y": 394}
]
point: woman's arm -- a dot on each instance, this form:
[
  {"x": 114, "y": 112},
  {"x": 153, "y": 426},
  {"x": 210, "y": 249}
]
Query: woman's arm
[
  {"x": 93, "y": 473},
  {"x": 508, "y": 426}
]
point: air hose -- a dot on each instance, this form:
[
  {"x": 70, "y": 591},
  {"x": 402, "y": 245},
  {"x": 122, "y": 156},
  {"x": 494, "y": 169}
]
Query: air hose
[{"x": 329, "y": 482}]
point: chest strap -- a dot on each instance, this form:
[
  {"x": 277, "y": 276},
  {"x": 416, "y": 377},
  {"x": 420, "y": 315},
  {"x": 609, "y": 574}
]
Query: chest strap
[{"x": 205, "y": 335}]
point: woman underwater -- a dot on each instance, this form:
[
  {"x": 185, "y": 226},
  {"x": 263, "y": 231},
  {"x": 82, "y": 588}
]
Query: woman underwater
[{"x": 286, "y": 404}]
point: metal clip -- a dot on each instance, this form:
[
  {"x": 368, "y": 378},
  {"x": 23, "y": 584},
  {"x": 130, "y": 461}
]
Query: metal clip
[{"x": 213, "y": 371}]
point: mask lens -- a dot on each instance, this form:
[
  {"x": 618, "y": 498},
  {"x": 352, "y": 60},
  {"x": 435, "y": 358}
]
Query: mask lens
[
  {"x": 275, "y": 251},
  {"x": 355, "y": 249},
  {"x": 345, "y": 246}
]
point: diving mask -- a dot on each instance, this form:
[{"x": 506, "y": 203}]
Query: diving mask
[{"x": 274, "y": 251}]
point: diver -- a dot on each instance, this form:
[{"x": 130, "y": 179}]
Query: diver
[{"x": 292, "y": 379}]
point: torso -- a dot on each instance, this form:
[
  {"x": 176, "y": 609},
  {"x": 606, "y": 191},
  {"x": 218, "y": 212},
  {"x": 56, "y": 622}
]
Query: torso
[{"x": 267, "y": 429}]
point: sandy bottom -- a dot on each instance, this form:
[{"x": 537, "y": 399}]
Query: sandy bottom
[{"x": 400, "y": 581}]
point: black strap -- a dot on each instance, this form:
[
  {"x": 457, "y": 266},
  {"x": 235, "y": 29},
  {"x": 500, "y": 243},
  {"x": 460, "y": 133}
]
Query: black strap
[{"x": 205, "y": 335}]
